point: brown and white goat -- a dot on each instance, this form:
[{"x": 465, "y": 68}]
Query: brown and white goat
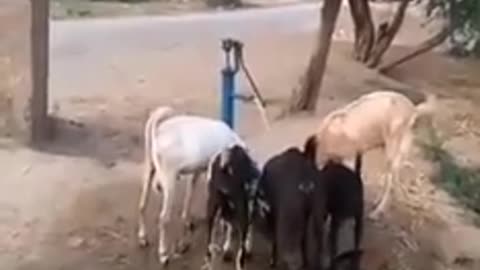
[{"x": 379, "y": 119}]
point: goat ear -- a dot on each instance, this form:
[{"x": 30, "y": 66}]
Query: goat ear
[{"x": 310, "y": 148}]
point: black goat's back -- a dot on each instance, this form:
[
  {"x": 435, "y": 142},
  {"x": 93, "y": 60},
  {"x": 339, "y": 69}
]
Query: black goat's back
[
  {"x": 292, "y": 185},
  {"x": 292, "y": 171},
  {"x": 345, "y": 189}
]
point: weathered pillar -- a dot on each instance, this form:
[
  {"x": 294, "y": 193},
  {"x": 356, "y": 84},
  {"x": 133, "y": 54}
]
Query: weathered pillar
[{"x": 24, "y": 61}]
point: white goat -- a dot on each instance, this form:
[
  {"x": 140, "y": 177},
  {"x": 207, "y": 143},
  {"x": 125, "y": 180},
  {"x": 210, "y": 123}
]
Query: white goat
[
  {"x": 177, "y": 145},
  {"x": 379, "y": 119}
]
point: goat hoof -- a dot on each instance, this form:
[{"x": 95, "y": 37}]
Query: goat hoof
[
  {"x": 374, "y": 216},
  {"x": 190, "y": 226},
  {"x": 272, "y": 263},
  {"x": 143, "y": 243},
  {"x": 176, "y": 255},
  {"x": 248, "y": 255},
  {"x": 183, "y": 247},
  {"x": 164, "y": 260},
  {"x": 207, "y": 265},
  {"x": 227, "y": 256}
]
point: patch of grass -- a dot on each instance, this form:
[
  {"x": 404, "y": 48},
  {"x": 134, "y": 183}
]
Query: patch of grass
[
  {"x": 63, "y": 9},
  {"x": 459, "y": 181}
]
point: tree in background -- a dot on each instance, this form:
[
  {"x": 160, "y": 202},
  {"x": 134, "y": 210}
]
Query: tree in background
[
  {"x": 463, "y": 16},
  {"x": 459, "y": 20},
  {"x": 459, "y": 23},
  {"x": 370, "y": 44},
  {"x": 305, "y": 97}
]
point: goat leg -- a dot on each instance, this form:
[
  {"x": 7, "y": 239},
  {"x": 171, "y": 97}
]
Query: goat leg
[
  {"x": 166, "y": 216},
  {"x": 227, "y": 245},
  {"x": 212, "y": 209},
  {"x": 358, "y": 230},
  {"x": 188, "y": 225},
  {"x": 240, "y": 259},
  {"x": 333, "y": 237},
  {"x": 304, "y": 244},
  {"x": 273, "y": 255},
  {"x": 248, "y": 243},
  {"x": 384, "y": 199},
  {"x": 142, "y": 205},
  {"x": 273, "y": 249}
]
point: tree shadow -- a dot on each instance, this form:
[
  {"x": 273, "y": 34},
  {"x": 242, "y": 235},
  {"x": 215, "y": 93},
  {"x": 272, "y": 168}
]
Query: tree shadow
[{"x": 105, "y": 142}]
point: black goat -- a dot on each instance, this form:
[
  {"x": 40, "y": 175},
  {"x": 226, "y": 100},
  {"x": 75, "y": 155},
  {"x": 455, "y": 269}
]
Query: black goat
[
  {"x": 344, "y": 200},
  {"x": 290, "y": 197},
  {"x": 232, "y": 176}
]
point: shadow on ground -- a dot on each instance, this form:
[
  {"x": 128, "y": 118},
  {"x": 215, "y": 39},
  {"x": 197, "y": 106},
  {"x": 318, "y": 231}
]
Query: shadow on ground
[
  {"x": 103, "y": 141},
  {"x": 96, "y": 230}
]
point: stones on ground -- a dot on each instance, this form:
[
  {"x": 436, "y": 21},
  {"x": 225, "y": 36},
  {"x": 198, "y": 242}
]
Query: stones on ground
[{"x": 75, "y": 242}]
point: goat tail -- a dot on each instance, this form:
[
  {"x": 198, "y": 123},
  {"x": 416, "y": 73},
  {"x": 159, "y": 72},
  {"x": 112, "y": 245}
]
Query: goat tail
[
  {"x": 310, "y": 148},
  {"x": 358, "y": 164},
  {"x": 425, "y": 110},
  {"x": 157, "y": 116},
  {"x": 427, "y": 107}
]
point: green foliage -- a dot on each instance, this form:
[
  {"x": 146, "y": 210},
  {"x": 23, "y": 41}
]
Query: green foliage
[
  {"x": 464, "y": 19},
  {"x": 461, "y": 182}
]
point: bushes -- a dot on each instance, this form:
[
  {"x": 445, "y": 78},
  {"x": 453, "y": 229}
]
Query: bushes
[
  {"x": 464, "y": 19},
  {"x": 461, "y": 182}
]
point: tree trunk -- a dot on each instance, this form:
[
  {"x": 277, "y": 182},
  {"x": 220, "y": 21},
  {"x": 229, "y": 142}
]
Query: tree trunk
[
  {"x": 41, "y": 124},
  {"x": 24, "y": 53},
  {"x": 305, "y": 98},
  {"x": 385, "y": 35},
  {"x": 424, "y": 47},
  {"x": 363, "y": 29}
]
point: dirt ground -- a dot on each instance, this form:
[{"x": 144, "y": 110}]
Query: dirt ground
[{"x": 72, "y": 203}]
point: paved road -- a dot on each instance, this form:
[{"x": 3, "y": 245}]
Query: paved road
[
  {"x": 70, "y": 38},
  {"x": 152, "y": 32},
  {"x": 88, "y": 55},
  {"x": 91, "y": 53}
]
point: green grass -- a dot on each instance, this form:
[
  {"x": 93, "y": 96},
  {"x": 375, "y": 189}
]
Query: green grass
[
  {"x": 463, "y": 183},
  {"x": 63, "y": 9}
]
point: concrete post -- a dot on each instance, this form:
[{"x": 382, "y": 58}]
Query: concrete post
[{"x": 24, "y": 56}]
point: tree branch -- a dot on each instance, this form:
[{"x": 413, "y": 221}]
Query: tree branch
[
  {"x": 387, "y": 33},
  {"x": 364, "y": 29},
  {"x": 422, "y": 48}
]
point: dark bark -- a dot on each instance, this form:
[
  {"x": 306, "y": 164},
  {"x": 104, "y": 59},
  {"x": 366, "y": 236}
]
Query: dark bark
[
  {"x": 41, "y": 124},
  {"x": 385, "y": 35},
  {"x": 363, "y": 29},
  {"x": 424, "y": 47},
  {"x": 370, "y": 46},
  {"x": 305, "y": 97}
]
